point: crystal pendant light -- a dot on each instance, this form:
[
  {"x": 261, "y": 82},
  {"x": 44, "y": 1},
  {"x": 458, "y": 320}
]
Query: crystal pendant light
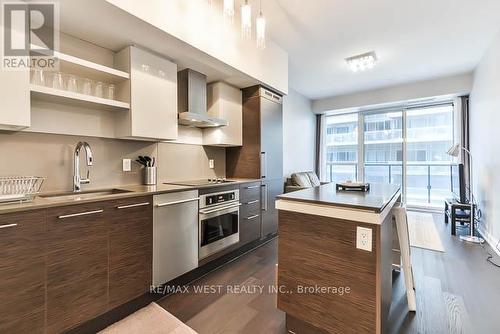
[
  {"x": 228, "y": 10},
  {"x": 261, "y": 30},
  {"x": 246, "y": 20}
]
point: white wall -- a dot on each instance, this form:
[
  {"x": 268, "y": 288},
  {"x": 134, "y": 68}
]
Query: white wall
[
  {"x": 448, "y": 86},
  {"x": 484, "y": 128},
  {"x": 203, "y": 28},
  {"x": 299, "y": 134}
]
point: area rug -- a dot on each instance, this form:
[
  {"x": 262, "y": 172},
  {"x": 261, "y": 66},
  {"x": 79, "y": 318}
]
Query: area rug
[
  {"x": 152, "y": 319},
  {"x": 423, "y": 232}
]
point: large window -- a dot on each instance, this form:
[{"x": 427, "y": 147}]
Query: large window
[
  {"x": 405, "y": 146},
  {"x": 429, "y": 133},
  {"x": 383, "y": 146},
  {"x": 342, "y": 148}
]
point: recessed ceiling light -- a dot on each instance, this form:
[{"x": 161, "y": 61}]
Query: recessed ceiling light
[{"x": 362, "y": 62}]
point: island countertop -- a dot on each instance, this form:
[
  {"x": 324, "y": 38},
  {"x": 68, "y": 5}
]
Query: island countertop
[{"x": 375, "y": 200}]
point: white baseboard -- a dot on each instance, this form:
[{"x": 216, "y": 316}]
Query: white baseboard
[{"x": 490, "y": 240}]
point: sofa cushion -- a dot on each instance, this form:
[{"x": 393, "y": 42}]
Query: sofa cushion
[
  {"x": 314, "y": 179},
  {"x": 301, "y": 180}
]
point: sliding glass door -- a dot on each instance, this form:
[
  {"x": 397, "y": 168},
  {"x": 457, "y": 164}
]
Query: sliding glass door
[
  {"x": 383, "y": 147},
  {"x": 403, "y": 146},
  {"x": 429, "y": 134}
]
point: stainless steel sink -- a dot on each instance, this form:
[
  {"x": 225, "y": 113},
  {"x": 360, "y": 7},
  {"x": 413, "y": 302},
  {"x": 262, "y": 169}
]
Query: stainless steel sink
[{"x": 78, "y": 196}]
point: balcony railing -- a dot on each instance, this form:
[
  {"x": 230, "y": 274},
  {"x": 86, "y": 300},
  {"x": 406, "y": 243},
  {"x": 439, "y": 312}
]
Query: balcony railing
[{"x": 427, "y": 183}]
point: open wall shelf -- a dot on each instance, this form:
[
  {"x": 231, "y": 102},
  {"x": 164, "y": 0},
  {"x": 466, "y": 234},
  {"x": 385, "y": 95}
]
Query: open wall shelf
[
  {"x": 65, "y": 97},
  {"x": 87, "y": 69}
]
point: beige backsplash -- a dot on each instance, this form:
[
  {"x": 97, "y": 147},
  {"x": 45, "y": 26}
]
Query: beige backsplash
[{"x": 51, "y": 156}]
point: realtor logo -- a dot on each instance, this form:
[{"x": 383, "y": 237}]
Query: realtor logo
[{"x": 30, "y": 35}]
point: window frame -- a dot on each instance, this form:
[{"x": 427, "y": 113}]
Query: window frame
[{"x": 456, "y": 128}]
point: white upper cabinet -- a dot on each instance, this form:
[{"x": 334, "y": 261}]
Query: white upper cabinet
[
  {"x": 224, "y": 101},
  {"x": 152, "y": 92},
  {"x": 15, "y": 103}
]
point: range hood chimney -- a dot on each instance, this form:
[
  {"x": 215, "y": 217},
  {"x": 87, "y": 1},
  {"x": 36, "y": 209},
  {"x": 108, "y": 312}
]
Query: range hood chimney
[{"x": 192, "y": 100}]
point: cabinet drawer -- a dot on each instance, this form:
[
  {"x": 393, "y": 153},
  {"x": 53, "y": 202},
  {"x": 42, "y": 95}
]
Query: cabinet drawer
[
  {"x": 22, "y": 264},
  {"x": 75, "y": 222},
  {"x": 250, "y": 208},
  {"x": 250, "y": 228},
  {"x": 250, "y": 192}
]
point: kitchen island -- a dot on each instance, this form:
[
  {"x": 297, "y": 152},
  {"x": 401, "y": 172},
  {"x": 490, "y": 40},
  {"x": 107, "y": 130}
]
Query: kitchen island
[{"x": 327, "y": 284}]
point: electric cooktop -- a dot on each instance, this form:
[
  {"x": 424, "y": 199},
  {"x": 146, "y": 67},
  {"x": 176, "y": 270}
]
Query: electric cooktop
[{"x": 205, "y": 182}]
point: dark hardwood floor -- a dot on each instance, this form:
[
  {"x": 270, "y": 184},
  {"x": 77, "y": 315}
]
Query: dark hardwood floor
[{"x": 457, "y": 292}]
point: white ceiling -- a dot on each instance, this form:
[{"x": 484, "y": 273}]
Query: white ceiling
[{"x": 414, "y": 40}]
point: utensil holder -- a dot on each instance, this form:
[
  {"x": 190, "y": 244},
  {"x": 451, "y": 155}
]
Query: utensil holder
[{"x": 149, "y": 176}]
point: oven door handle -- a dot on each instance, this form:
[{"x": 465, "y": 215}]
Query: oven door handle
[{"x": 206, "y": 212}]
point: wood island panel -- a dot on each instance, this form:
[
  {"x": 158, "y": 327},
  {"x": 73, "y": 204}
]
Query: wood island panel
[{"x": 315, "y": 250}]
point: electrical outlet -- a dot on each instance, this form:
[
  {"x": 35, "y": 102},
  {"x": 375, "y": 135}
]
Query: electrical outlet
[
  {"x": 211, "y": 164},
  {"x": 364, "y": 238},
  {"x": 127, "y": 165}
]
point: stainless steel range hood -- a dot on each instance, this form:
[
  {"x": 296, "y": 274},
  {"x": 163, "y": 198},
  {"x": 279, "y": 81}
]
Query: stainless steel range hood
[{"x": 192, "y": 100}]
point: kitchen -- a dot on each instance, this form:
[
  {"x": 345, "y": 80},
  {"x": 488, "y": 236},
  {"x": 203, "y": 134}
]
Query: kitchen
[
  {"x": 190, "y": 166},
  {"x": 137, "y": 157}
]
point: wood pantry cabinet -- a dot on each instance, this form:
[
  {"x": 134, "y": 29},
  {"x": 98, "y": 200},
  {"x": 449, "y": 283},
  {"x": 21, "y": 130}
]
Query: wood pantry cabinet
[
  {"x": 66, "y": 265},
  {"x": 261, "y": 155},
  {"x": 22, "y": 272}
]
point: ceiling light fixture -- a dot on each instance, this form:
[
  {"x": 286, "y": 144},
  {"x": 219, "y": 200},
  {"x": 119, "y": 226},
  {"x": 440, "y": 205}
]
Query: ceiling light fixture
[
  {"x": 362, "y": 62},
  {"x": 246, "y": 20},
  {"x": 261, "y": 29},
  {"x": 228, "y": 10}
]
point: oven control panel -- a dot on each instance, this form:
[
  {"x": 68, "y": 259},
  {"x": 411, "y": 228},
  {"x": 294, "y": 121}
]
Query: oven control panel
[{"x": 219, "y": 198}]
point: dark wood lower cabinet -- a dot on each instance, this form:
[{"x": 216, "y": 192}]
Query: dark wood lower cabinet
[
  {"x": 22, "y": 272},
  {"x": 77, "y": 265},
  {"x": 130, "y": 249}
]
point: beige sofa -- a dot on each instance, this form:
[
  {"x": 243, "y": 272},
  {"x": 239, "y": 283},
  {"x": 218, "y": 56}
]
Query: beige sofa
[{"x": 302, "y": 180}]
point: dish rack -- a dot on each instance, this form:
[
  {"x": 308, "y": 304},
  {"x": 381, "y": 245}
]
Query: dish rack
[{"x": 19, "y": 188}]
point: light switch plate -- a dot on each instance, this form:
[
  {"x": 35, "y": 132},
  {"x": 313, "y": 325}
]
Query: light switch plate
[
  {"x": 211, "y": 164},
  {"x": 364, "y": 238},
  {"x": 127, "y": 165}
]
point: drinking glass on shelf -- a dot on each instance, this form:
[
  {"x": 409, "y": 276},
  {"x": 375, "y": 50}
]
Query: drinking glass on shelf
[
  {"x": 57, "y": 80},
  {"x": 99, "y": 89},
  {"x": 72, "y": 85},
  {"x": 38, "y": 77},
  {"x": 86, "y": 86},
  {"x": 111, "y": 91}
]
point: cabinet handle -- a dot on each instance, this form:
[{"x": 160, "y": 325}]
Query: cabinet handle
[
  {"x": 251, "y": 217},
  {"x": 132, "y": 205},
  {"x": 8, "y": 225},
  {"x": 177, "y": 202},
  {"x": 263, "y": 165},
  {"x": 252, "y": 187},
  {"x": 252, "y": 202},
  {"x": 264, "y": 188},
  {"x": 81, "y": 214}
]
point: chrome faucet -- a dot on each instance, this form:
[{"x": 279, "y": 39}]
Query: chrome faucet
[{"x": 77, "y": 179}]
